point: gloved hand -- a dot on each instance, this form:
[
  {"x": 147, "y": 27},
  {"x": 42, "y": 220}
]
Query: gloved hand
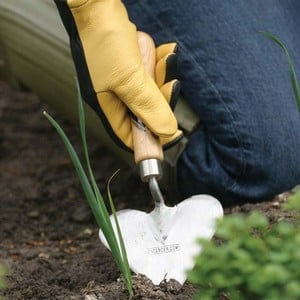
[{"x": 111, "y": 75}]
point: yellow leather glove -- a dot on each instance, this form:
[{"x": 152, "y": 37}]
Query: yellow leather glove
[{"x": 111, "y": 75}]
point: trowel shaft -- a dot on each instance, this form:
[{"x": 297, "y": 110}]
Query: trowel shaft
[{"x": 148, "y": 153}]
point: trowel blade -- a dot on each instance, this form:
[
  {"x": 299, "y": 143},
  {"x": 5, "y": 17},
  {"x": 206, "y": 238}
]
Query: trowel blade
[{"x": 167, "y": 253}]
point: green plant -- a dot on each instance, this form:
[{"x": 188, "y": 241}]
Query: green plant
[
  {"x": 294, "y": 202},
  {"x": 293, "y": 75},
  {"x": 95, "y": 198},
  {"x": 3, "y": 273},
  {"x": 256, "y": 260}
]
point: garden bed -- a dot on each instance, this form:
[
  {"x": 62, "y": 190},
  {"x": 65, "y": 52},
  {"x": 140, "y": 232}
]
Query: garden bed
[{"x": 49, "y": 240}]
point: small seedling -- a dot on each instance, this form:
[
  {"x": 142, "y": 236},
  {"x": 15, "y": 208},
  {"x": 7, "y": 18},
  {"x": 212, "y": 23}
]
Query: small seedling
[{"x": 95, "y": 198}]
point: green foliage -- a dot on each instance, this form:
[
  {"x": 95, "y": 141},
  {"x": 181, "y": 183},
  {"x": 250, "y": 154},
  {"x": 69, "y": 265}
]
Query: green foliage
[
  {"x": 94, "y": 197},
  {"x": 3, "y": 273},
  {"x": 294, "y": 205},
  {"x": 256, "y": 260},
  {"x": 294, "y": 202}
]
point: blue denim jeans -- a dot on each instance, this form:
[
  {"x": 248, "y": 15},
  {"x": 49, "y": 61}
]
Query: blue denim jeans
[{"x": 247, "y": 146}]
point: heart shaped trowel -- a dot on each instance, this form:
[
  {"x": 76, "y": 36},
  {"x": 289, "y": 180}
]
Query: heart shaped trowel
[
  {"x": 170, "y": 253},
  {"x": 163, "y": 243}
]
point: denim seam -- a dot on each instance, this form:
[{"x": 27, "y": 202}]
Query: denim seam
[{"x": 184, "y": 49}]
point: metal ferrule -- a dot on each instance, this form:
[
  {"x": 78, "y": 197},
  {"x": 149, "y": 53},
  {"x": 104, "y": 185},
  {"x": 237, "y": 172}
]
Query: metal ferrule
[{"x": 150, "y": 168}]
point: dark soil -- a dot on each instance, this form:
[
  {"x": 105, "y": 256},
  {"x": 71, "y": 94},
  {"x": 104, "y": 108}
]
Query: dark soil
[{"x": 48, "y": 238}]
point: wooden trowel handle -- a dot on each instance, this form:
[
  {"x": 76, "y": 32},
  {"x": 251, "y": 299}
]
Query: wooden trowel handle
[{"x": 145, "y": 144}]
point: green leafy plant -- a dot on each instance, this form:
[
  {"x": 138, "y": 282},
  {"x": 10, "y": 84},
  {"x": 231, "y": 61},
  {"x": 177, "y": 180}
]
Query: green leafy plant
[
  {"x": 293, "y": 75},
  {"x": 294, "y": 203},
  {"x": 3, "y": 273},
  {"x": 95, "y": 198},
  {"x": 256, "y": 260}
]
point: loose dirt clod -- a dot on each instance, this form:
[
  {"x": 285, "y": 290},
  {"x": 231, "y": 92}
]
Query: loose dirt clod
[{"x": 143, "y": 289}]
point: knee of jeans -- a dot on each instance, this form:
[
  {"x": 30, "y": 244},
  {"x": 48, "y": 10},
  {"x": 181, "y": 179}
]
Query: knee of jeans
[
  {"x": 237, "y": 174},
  {"x": 208, "y": 166}
]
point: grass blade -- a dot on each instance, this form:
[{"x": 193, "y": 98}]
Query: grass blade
[
  {"x": 120, "y": 252},
  {"x": 101, "y": 217},
  {"x": 293, "y": 75},
  {"x": 127, "y": 276},
  {"x": 76, "y": 162},
  {"x": 85, "y": 149}
]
